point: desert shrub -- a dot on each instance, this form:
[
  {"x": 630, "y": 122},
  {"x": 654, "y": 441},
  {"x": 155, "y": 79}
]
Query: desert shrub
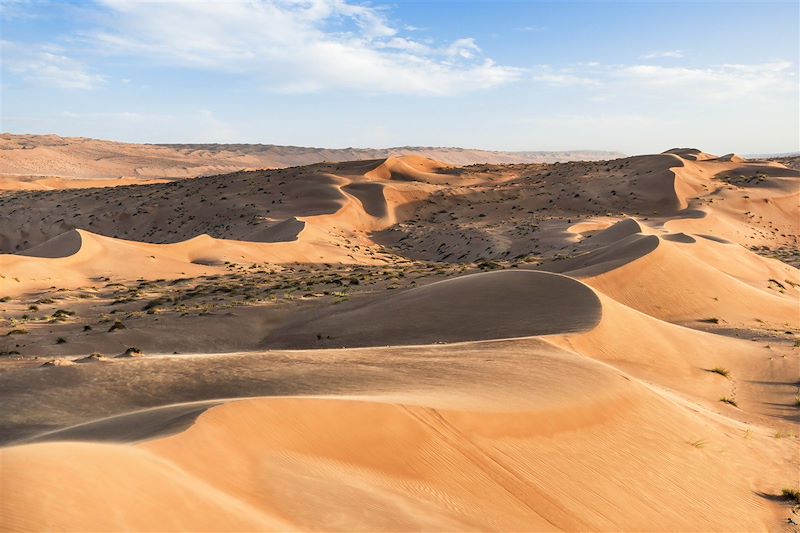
[
  {"x": 721, "y": 371},
  {"x": 791, "y": 494},
  {"x": 729, "y": 401}
]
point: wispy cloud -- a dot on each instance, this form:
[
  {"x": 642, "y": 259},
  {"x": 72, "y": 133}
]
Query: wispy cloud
[
  {"x": 720, "y": 82},
  {"x": 48, "y": 65},
  {"x": 297, "y": 45},
  {"x": 671, "y": 54},
  {"x": 562, "y": 77}
]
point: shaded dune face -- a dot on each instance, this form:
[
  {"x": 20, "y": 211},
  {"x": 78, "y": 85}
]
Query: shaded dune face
[
  {"x": 131, "y": 427},
  {"x": 64, "y": 245},
  {"x": 493, "y": 305},
  {"x": 286, "y": 231},
  {"x": 608, "y": 257},
  {"x": 371, "y": 197}
]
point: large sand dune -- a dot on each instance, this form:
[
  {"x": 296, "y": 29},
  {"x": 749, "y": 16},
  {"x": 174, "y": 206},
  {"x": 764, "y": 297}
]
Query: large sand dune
[
  {"x": 400, "y": 344},
  {"x": 493, "y": 305}
]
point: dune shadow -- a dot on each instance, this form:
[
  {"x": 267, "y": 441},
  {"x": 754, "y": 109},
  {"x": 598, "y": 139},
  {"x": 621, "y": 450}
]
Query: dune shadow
[
  {"x": 64, "y": 245},
  {"x": 130, "y": 427},
  {"x": 493, "y": 305}
]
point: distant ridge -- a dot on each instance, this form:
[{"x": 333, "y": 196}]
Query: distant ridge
[
  {"x": 451, "y": 155},
  {"x": 46, "y": 161}
]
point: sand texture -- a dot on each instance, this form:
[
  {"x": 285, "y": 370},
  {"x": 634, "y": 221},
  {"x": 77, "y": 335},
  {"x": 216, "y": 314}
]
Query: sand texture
[{"x": 397, "y": 343}]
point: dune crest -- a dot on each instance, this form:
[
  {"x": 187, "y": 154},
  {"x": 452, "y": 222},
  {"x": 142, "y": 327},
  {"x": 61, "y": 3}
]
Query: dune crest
[
  {"x": 400, "y": 344},
  {"x": 492, "y": 305}
]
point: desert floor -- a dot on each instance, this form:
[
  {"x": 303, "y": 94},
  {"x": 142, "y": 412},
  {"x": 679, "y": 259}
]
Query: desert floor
[{"x": 401, "y": 344}]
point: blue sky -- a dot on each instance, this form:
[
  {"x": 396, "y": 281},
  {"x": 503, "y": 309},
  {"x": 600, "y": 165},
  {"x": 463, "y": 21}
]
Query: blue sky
[{"x": 632, "y": 76}]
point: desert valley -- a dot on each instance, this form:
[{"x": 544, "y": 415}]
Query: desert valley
[{"x": 273, "y": 338}]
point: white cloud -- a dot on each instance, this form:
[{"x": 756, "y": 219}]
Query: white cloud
[
  {"x": 297, "y": 45},
  {"x": 717, "y": 82},
  {"x": 562, "y": 77},
  {"x": 48, "y": 65},
  {"x": 671, "y": 54},
  {"x": 464, "y": 48}
]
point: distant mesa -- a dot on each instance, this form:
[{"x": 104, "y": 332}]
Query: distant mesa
[{"x": 79, "y": 160}]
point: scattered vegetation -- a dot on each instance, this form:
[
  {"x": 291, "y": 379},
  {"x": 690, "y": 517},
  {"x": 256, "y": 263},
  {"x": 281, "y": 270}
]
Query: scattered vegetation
[
  {"x": 116, "y": 325},
  {"x": 721, "y": 371},
  {"x": 729, "y": 401},
  {"x": 791, "y": 494}
]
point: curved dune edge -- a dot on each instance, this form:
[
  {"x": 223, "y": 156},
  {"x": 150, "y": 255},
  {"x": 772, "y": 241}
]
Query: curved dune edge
[
  {"x": 535, "y": 461},
  {"x": 407, "y": 168},
  {"x": 681, "y": 277},
  {"x": 67, "y": 244},
  {"x": 362, "y": 207},
  {"x": 491, "y": 305},
  {"x": 683, "y": 282},
  {"x": 74, "y": 258},
  {"x": 129, "y": 427},
  {"x": 293, "y": 463}
]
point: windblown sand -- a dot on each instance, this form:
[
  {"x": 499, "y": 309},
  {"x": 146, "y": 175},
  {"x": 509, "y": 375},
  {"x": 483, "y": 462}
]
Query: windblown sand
[{"x": 403, "y": 344}]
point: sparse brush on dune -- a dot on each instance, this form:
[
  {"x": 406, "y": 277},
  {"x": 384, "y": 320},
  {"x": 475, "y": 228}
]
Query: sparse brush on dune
[
  {"x": 729, "y": 401},
  {"x": 721, "y": 371},
  {"x": 791, "y": 494},
  {"x": 404, "y": 339}
]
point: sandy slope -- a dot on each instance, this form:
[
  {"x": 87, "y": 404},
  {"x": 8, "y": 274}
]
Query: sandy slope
[
  {"x": 551, "y": 452},
  {"x": 345, "y": 465},
  {"x": 41, "y": 162},
  {"x": 493, "y": 305},
  {"x": 584, "y": 398},
  {"x": 684, "y": 278}
]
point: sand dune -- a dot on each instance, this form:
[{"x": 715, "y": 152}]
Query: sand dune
[
  {"x": 683, "y": 278},
  {"x": 77, "y": 257},
  {"x": 493, "y": 305},
  {"x": 399, "y": 344},
  {"x": 367, "y": 465}
]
